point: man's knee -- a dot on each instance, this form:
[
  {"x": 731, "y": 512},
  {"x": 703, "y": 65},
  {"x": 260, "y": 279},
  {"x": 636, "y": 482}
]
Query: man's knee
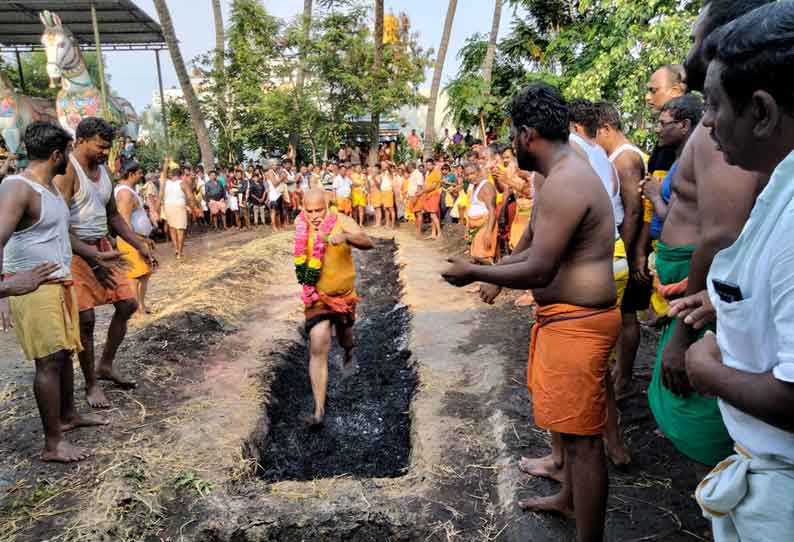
[
  {"x": 53, "y": 362},
  {"x": 126, "y": 308},
  {"x": 320, "y": 339}
]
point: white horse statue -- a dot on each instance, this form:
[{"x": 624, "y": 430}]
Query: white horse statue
[
  {"x": 79, "y": 97},
  {"x": 18, "y": 111}
]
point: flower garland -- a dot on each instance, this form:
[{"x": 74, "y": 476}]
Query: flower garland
[{"x": 308, "y": 268}]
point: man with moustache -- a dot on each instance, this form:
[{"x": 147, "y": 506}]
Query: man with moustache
[
  {"x": 749, "y": 364},
  {"x": 568, "y": 265},
  {"x": 87, "y": 188},
  {"x": 34, "y": 234},
  {"x": 710, "y": 203}
]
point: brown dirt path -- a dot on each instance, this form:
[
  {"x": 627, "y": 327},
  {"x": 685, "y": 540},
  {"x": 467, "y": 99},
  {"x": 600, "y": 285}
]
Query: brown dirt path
[{"x": 179, "y": 460}]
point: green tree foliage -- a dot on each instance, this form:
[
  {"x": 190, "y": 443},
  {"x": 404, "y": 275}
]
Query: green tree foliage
[
  {"x": 594, "y": 49},
  {"x": 262, "y": 104},
  {"x": 184, "y": 145},
  {"x": 34, "y": 70}
]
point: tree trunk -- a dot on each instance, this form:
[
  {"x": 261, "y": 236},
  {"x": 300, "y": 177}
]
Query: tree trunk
[
  {"x": 221, "y": 95},
  {"x": 196, "y": 118},
  {"x": 490, "y": 53},
  {"x": 377, "y": 61},
  {"x": 220, "y": 38},
  {"x": 294, "y": 136},
  {"x": 430, "y": 129}
]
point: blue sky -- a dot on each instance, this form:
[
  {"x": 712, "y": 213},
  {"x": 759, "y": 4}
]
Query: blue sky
[{"x": 134, "y": 76}]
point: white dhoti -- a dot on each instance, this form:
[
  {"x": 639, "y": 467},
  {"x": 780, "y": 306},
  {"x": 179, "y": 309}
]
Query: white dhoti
[{"x": 749, "y": 498}]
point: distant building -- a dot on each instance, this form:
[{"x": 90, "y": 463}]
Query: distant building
[{"x": 415, "y": 118}]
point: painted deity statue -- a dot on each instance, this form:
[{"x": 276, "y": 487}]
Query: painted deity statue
[
  {"x": 79, "y": 97},
  {"x": 18, "y": 111}
]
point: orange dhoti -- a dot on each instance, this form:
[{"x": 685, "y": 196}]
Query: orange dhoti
[
  {"x": 340, "y": 310},
  {"x": 432, "y": 202},
  {"x": 344, "y": 205},
  {"x": 520, "y": 222},
  {"x": 387, "y": 199},
  {"x": 90, "y": 293},
  {"x": 568, "y": 357},
  {"x": 479, "y": 237},
  {"x": 375, "y": 199}
]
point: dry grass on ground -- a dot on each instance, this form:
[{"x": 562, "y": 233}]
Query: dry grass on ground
[{"x": 146, "y": 456}]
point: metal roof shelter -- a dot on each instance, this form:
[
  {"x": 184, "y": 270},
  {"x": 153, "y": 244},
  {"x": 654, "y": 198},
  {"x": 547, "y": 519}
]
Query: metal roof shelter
[
  {"x": 99, "y": 25},
  {"x": 122, "y": 24}
]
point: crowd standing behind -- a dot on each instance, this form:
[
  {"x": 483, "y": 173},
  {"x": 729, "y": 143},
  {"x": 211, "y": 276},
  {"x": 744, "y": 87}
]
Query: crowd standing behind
[{"x": 599, "y": 236}]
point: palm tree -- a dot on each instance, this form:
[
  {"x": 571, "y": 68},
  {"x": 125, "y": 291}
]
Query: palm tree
[
  {"x": 300, "y": 79},
  {"x": 196, "y": 117},
  {"x": 430, "y": 129},
  {"x": 490, "y": 53},
  {"x": 377, "y": 60},
  {"x": 220, "y": 38}
]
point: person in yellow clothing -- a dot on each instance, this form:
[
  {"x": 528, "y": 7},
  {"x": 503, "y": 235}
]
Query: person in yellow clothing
[
  {"x": 328, "y": 276},
  {"x": 130, "y": 206},
  {"x": 359, "y": 195},
  {"x": 431, "y": 198},
  {"x": 375, "y": 199}
]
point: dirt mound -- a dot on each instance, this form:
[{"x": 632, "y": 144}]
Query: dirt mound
[{"x": 170, "y": 339}]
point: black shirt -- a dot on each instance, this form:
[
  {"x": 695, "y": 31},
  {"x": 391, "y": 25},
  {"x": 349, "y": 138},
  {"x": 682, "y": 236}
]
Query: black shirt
[
  {"x": 662, "y": 159},
  {"x": 256, "y": 191}
]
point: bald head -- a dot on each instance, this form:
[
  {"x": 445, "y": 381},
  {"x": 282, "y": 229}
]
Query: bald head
[
  {"x": 314, "y": 198},
  {"x": 666, "y": 83},
  {"x": 315, "y": 207}
]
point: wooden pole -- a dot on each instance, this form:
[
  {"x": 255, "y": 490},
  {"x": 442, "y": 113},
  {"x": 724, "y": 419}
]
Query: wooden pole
[
  {"x": 21, "y": 73},
  {"x": 100, "y": 63},
  {"x": 162, "y": 98}
]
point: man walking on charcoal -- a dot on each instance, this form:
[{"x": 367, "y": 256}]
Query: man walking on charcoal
[
  {"x": 568, "y": 265},
  {"x": 325, "y": 268}
]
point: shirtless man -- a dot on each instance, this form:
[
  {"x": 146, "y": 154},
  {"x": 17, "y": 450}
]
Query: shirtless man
[
  {"x": 87, "y": 188},
  {"x": 568, "y": 265},
  {"x": 34, "y": 233},
  {"x": 710, "y": 203}
]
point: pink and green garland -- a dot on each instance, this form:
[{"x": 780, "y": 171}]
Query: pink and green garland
[{"x": 308, "y": 268}]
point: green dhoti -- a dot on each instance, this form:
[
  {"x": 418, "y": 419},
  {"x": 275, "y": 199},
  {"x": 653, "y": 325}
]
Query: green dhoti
[{"x": 693, "y": 423}]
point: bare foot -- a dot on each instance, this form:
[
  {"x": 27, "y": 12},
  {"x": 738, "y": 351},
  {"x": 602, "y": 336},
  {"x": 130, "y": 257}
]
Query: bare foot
[
  {"x": 65, "y": 452},
  {"x": 314, "y": 422},
  {"x": 96, "y": 397},
  {"x": 84, "y": 420},
  {"x": 544, "y": 467},
  {"x": 473, "y": 289},
  {"x": 112, "y": 376},
  {"x": 552, "y": 504}
]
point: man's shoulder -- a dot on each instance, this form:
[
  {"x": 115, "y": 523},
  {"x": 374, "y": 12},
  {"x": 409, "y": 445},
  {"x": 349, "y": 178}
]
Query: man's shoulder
[
  {"x": 576, "y": 176},
  {"x": 15, "y": 186},
  {"x": 629, "y": 160}
]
